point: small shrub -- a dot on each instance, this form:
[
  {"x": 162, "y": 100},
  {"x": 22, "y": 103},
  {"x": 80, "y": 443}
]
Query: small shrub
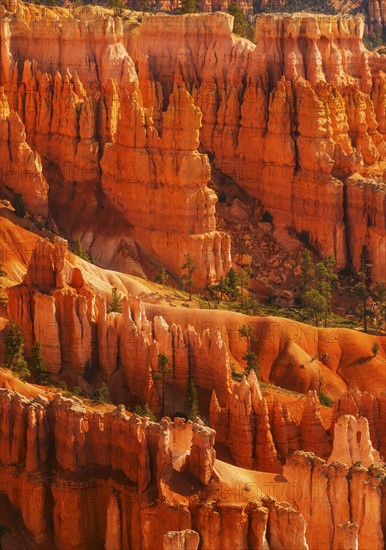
[
  {"x": 76, "y": 390},
  {"x": 61, "y": 384},
  {"x": 145, "y": 411},
  {"x": 101, "y": 395},
  {"x": 14, "y": 351},
  {"x": 162, "y": 276},
  {"x": 375, "y": 349},
  {"x": 38, "y": 366},
  {"x": 80, "y": 251},
  {"x": 325, "y": 399}
]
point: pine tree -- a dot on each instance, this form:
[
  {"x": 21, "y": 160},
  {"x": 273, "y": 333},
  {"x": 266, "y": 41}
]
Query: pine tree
[
  {"x": 14, "y": 346},
  {"x": 190, "y": 267},
  {"x": 240, "y": 24},
  {"x": 244, "y": 277},
  {"x": 189, "y": 6},
  {"x": 363, "y": 285},
  {"x": 164, "y": 369},
  {"x": 232, "y": 282},
  {"x": 249, "y": 356},
  {"x": 308, "y": 271},
  {"x": 80, "y": 251},
  {"x": 116, "y": 302},
  {"x": 192, "y": 401},
  {"x": 38, "y": 366},
  {"x": 380, "y": 298},
  {"x": 315, "y": 302},
  {"x": 326, "y": 276},
  {"x": 18, "y": 204},
  {"x": 101, "y": 395},
  {"x": 162, "y": 276},
  {"x": 145, "y": 411}
]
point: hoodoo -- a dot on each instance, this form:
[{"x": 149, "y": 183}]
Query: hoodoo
[{"x": 192, "y": 275}]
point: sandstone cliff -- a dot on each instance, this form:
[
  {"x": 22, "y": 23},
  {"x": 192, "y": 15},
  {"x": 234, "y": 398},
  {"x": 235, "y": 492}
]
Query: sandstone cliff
[{"x": 118, "y": 127}]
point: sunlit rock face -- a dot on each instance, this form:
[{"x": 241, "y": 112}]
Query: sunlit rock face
[{"x": 126, "y": 125}]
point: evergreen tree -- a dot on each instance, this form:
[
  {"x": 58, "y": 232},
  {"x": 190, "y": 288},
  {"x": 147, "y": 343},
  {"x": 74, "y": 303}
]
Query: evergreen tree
[
  {"x": 14, "y": 347},
  {"x": 244, "y": 278},
  {"x": 380, "y": 298},
  {"x": 162, "y": 276},
  {"x": 116, "y": 302},
  {"x": 240, "y": 24},
  {"x": 192, "y": 401},
  {"x": 164, "y": 369},
  {"x": 145, "y": 411},
  {"x": 221, "y": 287},
  {"x": 315, "y": 303},
  {"x": 18, "y": 204},
  {"x": 38, "y": 366},
  {"x": 190, "y": 267},
  {"x": 249, "y": 356},
  {"x": 375, "y": 349},
  {"x": 232, "y": 282},
  {"x": 326, "y": 276},
  {"x": 189, "y": 6},
  {"x": 117, "y": 6},
  {"x": 80, "y": 251},
  {"x": 101, "y": 395},
  {"x": 308, "y": 271},
  {"x": 364, "y": 281}
]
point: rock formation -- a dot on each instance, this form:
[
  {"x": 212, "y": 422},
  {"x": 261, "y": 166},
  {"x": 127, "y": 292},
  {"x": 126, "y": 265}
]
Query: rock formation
[
  {"x": 181, "y": 540},
  {"x": 352, "y": 442},
  {"x": 160, "y": 90},
  {"x": 335, "y": 501},
  {"x": 74, "y": 329}
]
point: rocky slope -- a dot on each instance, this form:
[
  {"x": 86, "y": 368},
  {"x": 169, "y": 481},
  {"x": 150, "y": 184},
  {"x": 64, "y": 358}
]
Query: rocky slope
[
  {"x": 58, "y": 305},
  {"x": 130, "y": 110}
]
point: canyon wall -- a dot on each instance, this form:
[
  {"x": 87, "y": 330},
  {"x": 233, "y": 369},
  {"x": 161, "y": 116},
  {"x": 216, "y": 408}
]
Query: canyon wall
[
  {"x": 81, "y": 477},
  {"x": 123, "y": 126}
]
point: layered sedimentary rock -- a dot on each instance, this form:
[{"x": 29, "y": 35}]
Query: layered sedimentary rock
[
  {"x": 20, "y": 166},
  {"x": 119, "y": 464},
  {"x": 131, "y": 108},
  {"x": 363, "y": 404},
  {"x": 352, "y": 442},
  {"x": 261, "y": 432},
  {"x": 337, "y": 501},
  {"x": 297, "y": 79},
  {"x": 181, "y": 540},
  {"x": 90, "y": 442},
  {"x": 74, "y": 329}
]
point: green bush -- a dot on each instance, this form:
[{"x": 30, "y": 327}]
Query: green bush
[
  {"x": 325, "y": 399},
  {"x": 14, "y": 347},
  {"x": 116, "y": 302},
  {"x": 38, "y": 366},
  {"x": 145, "y": 411},
  {"x": 101, "y": 395}
]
